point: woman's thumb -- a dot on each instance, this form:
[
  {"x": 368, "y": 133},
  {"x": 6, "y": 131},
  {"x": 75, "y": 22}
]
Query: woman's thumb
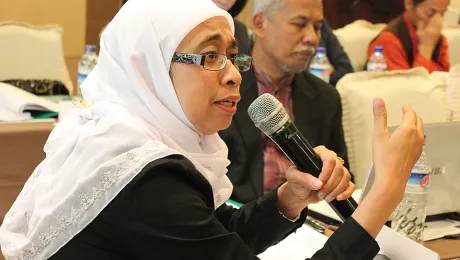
[{"x": 380, "y": 118}]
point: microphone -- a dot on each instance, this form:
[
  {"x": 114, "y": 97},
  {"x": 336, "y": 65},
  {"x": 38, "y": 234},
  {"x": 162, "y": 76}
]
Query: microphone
[{"x": 269, "y": 115}]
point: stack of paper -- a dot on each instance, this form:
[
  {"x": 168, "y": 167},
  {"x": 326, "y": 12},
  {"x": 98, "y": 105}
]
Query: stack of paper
[
  {"x": 16, "y": 104},
  {"x": 298, "y": 246},
  {"x": 440, "y": 228}
]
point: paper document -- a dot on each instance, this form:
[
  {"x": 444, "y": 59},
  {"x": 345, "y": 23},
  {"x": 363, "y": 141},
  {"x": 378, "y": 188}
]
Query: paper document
[
  {"x": 305, "y": 242},
  {"x": 7, "y": 115},
  {"x": 298, "y": 246},
  {"x": 399, "y": 247},
  {"x": 17, "y": 101},
  {"x": 441, "y": 228}
]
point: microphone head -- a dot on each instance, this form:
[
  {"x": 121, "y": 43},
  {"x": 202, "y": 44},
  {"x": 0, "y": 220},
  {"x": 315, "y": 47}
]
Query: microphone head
[{"x": 268, "y": 114}]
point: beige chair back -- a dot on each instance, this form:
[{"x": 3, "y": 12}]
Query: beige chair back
[
  {"x": 32, "y": 52},
  {"x": 453, "y": 82},
  {"x": 424, "y": 92},
  {"x": 355, "y": 39}
]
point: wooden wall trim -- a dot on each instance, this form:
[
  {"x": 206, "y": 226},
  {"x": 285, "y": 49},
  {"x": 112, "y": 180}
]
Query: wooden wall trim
[{"x": 246, "y": 15}]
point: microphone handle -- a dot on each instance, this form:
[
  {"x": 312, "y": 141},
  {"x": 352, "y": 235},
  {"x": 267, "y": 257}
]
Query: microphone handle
[{"x": 302, "y": 155}]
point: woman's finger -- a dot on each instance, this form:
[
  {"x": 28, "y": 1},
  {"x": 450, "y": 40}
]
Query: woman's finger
[
  {"x": 333, "y": 181},
  {"x": 348, "y": 192},
  {"x": 340, "y": 188}
]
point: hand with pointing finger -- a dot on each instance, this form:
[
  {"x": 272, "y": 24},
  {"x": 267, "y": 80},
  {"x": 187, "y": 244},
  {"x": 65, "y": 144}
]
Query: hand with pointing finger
[{"x": 394, "y": 157}]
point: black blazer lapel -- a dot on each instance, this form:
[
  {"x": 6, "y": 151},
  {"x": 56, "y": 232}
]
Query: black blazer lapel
[
  {"x": 307, "y": 117},
  {"x": 250, "y": 134}
]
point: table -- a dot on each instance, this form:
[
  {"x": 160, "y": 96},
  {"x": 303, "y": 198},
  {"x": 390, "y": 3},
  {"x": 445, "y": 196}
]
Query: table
[
  {"x": 21, "y": 150},
  {"x": 447, "y": 248}
]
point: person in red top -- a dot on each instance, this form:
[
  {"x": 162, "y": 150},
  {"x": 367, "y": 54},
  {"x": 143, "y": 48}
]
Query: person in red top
[{"x": 414, "y": 39}]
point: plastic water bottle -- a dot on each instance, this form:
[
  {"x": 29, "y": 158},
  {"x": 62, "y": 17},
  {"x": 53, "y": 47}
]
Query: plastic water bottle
[
  {"x": 409, "y": 216},
  {"x": 377, "y": 62},
  {"x": 320, "y": 65},
  {"x": 86, "y": 64}
]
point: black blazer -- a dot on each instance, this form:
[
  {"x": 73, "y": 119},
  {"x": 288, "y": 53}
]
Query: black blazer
[
  {"x": 167, "y": 212},
  {"x": 318, "y": 116}
]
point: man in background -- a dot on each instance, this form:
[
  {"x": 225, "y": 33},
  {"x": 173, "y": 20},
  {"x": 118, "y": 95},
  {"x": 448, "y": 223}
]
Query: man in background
[
  {"x": 287, "y": 33},
  {"x": 414, "y": 39},
  {"x": 340, "y": 63}
]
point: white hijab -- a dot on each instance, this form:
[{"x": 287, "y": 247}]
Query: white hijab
[{"x": 135, "y": 118}]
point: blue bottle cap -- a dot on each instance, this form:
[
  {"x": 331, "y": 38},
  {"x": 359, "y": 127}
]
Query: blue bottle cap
[
  {"x": 321, "y": 50},
  {"x": 90, "y": 48},
  {"x": 378, "y": 49}
]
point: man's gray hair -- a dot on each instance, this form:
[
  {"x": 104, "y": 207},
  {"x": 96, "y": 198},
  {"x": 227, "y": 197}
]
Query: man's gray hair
[{"x": 270, "y": 7}]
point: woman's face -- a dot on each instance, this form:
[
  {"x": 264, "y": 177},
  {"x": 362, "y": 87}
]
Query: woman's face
[{"x": 208, "y": 98}]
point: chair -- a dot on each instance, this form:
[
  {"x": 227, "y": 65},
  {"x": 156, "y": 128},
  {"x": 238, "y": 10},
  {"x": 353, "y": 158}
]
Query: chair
[
  {"x": 452, "y": 34},
  {"x": 424, "y": 92},
  {"x": 452, "y": 16},
  {"x": 453, "y": 81},
  {"x": 30, "y": 52},
  {"x": 355, "y": 39}
]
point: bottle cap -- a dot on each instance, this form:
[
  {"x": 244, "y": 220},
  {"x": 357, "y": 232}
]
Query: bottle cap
[
  {"x": 90, "y": 48},
  {"x": 321, "y": 50},
  {"x": 378, "y": 49}
]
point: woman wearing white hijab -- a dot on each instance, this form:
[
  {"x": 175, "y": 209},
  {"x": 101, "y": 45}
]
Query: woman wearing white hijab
[{"x": 139, "y": 172}]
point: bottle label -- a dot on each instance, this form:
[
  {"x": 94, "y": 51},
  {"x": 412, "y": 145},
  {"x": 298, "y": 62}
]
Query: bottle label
[
  {"x": 419, "y": 181},
  {"x": 81, "y": 78},
  {"x": 375, "y": 67},
  {"x": 321, "y": 73}
]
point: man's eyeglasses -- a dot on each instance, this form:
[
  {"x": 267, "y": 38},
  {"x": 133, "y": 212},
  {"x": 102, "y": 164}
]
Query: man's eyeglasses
[{"x": 215, "y": 61}]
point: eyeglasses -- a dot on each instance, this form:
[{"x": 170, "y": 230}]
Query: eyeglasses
[{"x": 215, "y": 61}]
